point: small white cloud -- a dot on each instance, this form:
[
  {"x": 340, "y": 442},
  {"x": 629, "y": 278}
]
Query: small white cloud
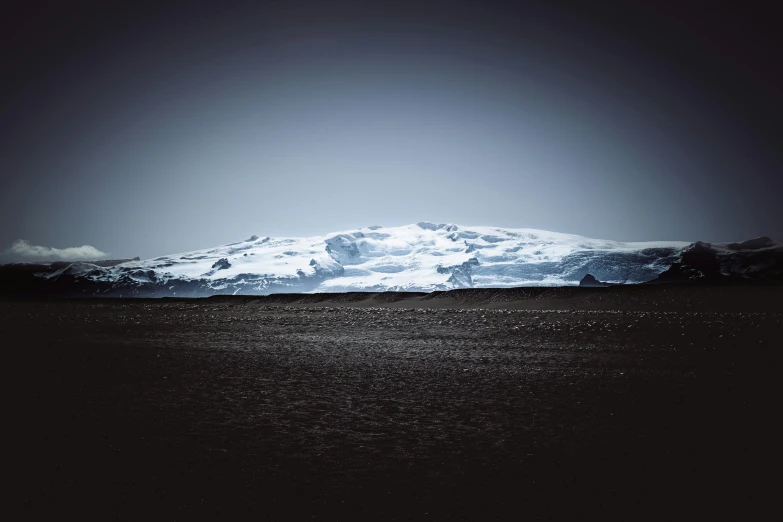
[{"x": 23, "y": 249}]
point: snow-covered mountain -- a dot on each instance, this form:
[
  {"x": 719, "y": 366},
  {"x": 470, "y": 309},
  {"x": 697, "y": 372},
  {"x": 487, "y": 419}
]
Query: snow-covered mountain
[{"x": 420, "y": 257}]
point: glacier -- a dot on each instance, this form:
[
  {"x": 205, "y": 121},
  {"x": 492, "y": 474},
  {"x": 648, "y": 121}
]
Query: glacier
[{"x": 420, "y": 257}]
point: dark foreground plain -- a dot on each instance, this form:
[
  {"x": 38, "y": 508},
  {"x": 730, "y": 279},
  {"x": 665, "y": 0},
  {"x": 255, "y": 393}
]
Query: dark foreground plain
[{"x": 628, "y": 403}]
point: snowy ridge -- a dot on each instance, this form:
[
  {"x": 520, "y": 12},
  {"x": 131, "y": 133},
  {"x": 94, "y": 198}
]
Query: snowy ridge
[{"x": 420, "y": 257}]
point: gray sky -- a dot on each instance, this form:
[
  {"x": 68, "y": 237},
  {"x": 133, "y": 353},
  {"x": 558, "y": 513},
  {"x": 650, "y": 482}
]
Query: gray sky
[{"x": 148, "y": 131}]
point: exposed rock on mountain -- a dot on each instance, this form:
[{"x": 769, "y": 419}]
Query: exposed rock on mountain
[{"x": 590, "y": 281}]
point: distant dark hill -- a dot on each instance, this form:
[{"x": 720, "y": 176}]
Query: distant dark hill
[
  {"x": 752, "y": 244},
  {"x": 759, "y": 259}
]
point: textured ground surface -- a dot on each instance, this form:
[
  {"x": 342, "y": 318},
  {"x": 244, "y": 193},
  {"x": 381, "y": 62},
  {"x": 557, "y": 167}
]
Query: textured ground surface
[{"x": 183, "y": 409}]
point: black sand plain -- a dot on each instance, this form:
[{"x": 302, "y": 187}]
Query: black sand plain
[{"x": 634, "y": 403}]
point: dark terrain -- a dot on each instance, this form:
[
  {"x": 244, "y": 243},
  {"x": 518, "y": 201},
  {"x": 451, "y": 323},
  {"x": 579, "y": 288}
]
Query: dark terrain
[{"x": 649, "y": 402}]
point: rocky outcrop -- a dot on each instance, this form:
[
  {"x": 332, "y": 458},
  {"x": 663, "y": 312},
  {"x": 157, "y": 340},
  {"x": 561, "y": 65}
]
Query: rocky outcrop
[
  {"x": 590, "y": 281},
  {"x": 221, "y": 264}
]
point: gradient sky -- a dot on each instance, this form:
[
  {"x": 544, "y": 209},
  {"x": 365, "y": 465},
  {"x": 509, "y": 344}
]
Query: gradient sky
[{"x": 142, "y": 129}]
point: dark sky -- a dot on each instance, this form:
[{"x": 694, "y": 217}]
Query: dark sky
[{"x": 145, "y": 129}]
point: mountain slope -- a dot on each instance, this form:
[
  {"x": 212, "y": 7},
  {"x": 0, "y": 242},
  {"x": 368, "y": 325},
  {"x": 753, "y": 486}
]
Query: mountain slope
[
  {"x": 758, "y": 259},
  {"x": 421, "y": 257}
]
